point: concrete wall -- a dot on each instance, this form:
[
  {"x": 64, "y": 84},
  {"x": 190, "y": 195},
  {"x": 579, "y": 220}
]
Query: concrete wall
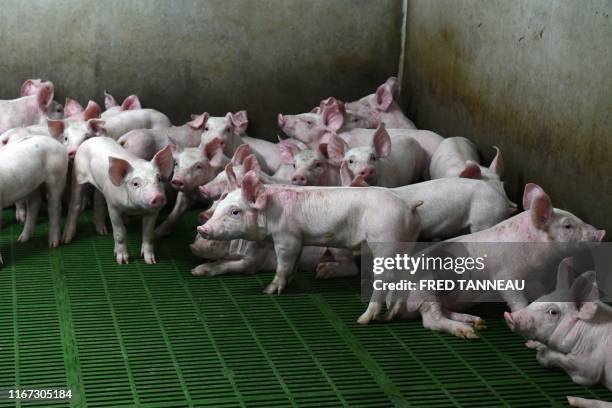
[
  {"x": 531, "y": 76},
  {"x": 185, "y": 57}
]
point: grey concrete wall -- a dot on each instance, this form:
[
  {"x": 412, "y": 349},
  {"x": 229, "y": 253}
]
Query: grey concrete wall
[
  {"x": 532, "y": 76},
  {"x": 186, "y": 57}
]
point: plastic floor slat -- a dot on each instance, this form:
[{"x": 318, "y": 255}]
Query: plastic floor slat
[{"x": 155, "y": 336}]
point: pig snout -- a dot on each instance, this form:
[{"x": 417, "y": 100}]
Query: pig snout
[
  {"x": 204, "y": 231},
  {"x": 157, "y": 201},
  {"x": 299, "y": 180},
  {"x": 368, "y": 173},
  {"x": 510, "y": 321},
  {"x": 177, "y": 183}
]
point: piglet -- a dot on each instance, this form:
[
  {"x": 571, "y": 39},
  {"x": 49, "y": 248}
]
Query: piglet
[
  {"x": 386, "y": 162},
  {"x": 231, "y": 129},
  {"x": 570, "y": 328},
  {"x": 458, "y": 157},
  {"x": 24, "y": 166},
  {"x": 194, "y": 166},
  {"x": 128, "y": 184},
  {"x": 122, "y": 122},
  {"x": 293, "y": 217},
  {"x": 27, "y": 110},
  {"x": 311, "y": 168},
  {"x": 539, "y": 223}
]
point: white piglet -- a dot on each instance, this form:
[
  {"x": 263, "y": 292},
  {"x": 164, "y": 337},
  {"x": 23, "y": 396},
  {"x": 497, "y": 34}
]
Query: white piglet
[
  {"x": 458, "y": 157},
  {"x": 129, "y": 185},
  {"x": 24, "y": 166}
]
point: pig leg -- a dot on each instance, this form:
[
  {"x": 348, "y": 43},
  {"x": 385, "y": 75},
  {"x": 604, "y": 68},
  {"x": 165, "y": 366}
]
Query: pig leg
[
  {"x": 434, "y": 319},
  {"x": 224, "y": 267},
  {"x": 477, "y": 322},
  {"x": 100, "y": 213},
  {"x": 119, "y": 234},
  {"x": 20, "y": 211},
  {"x": 55, "y": 190},
  {"x": 74, "y": 209},
  {"x": 148, "y": 234},
  {"x": 288, "y": 249},
  {"x": 182, "y": 204},
  {"x": 33, "y": 205},
  {"x": 583, "y": 376}
]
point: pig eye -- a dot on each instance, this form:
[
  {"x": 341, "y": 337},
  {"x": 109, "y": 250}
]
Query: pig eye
[
  {"x": 226, "y": 130},
  {"x": 135, "y": 184},
  {"x": 206, "y": 128},
  {"x": 568, "y": 226},
  {"x": 294, "y": 166},
  {"x": 553, "y": 312},
  {"x": 234, "y": 212},
  {"x": 65, "y": 138},
  {"x": 157, "y": 177},
  {"x": 198, "y": 166},
  {"x": 351, "y": 161},
  {"x": 373, "y": 157},
  {"x": 317, "y": 164}
]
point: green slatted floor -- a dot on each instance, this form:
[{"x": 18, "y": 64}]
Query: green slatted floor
[{"x": 155, "y": 336}]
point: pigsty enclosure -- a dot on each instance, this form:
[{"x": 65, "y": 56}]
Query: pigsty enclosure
[{"x": 531, "y": 77}]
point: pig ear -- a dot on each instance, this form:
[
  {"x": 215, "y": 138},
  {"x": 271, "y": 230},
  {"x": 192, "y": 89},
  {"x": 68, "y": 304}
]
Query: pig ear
[
  {"x": 253, "y": 191},
  {"x": 56, "y": 128},
  {"x": 471, "y": 170},
  {"x": 346, "y": 176},
  {"x": 251, "y": 163},
  {"x": 29, "y": 87},
  {"x": 175, "y": 147},
  {"x": 394, "y": 86},
  {"x": 232, "y": 182},
  {"x": 72, "y": 107},
  {"x": 118, "y": 169},
  {"x": 131, "y": 103},
  {"x": 382, "y": 141},
  {"x": 531, "y": 191},
  {"x": 164, "y": 160},
  {"x": 198, "y": 121},
  {"x": 359, "y": 182},
  {"x": 384, "y": 97},
  {"x": 323, "y": 150},
  {"x": 585, "y": 292},
  {"x": 287, "y": 152},
  {"x": 109, "y": 100},
  {"x": 541, "y": 210},
  {"x": 497, "y": 165},
  {"x": 333, "y": 119},
  {"x": 97, "y": 126},
  {"x": 565, "y": 274},
  {"x": 213, "y": 150},
  {"x": 336, "y": 148},
  {"x": 240, "y": 121},
  {"x": 240, "y": 154},
  {"x": 92, "y": 111},
  {"x": 44, "y": 97}
]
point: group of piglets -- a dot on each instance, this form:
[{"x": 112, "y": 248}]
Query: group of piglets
[{"x": 348, "y": 173}]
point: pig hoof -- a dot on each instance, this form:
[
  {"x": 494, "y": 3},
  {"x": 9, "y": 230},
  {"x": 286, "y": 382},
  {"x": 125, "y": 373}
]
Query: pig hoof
[
  {"x": 54, "y": 243},
  {"x": 534, "y": 345},
  {"x": 394, "y": 312},
  {"x": 67, "y": 237},
  {"x": 23, "y": 238},
  {"x": 276, "y": 286},
  {"x": 150, "y": 259},
  {"x": 122, "y": 258},
  {"x": 101, "y": 229},
  {"x": 365, "y": 319},
  {"x": 201, "y": 270},
  {"x": 466, "y": 333},
  {"x": 480, "y": 324}
]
